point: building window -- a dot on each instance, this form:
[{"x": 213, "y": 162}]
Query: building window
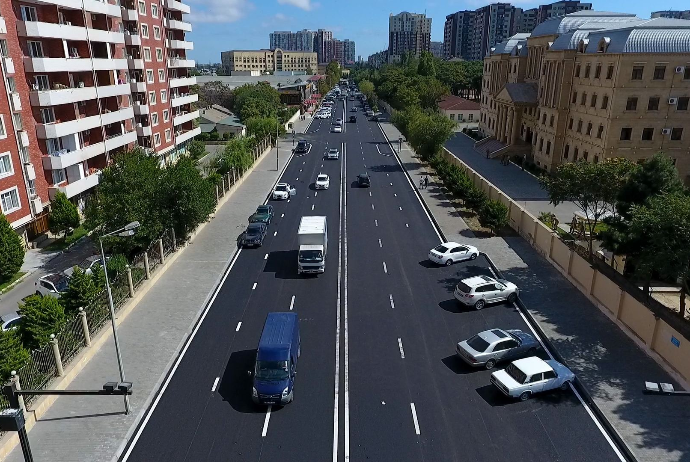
[
  {"x": 593, "y": 102},
  {"x": 626, "y": 133},
  {"x": 596, "y": 159},
  {"x": 149, "y": 75},
  {"x": 676, "y": 134},
  {"x": 470, "y": 117},
  {"x": 631, "y": 105},
  {"x": 147, "y": 54},
  {"x": 574, "y": 97},
  {"x": 653, "y": 103},
  {"x": 551, "y": 122},
  {"x": 36, "y": 49},
  {"x": 6, "y": 165},
  {"x": 605, "y": 102},
  {"x": 541, "y": 144},
  {"x": 164, "y": 96},
  {"x": 29, "y": 13},
  {"x": 159, "y": 54},
  {"x": 145, "y": 31},
  {"x": 17, "y": 121},
  {"x": 585, "y": 156},
  {"x": 577, "y": 70},
  {"x": 548, "y": 148},
  {"x": 168, "y": 134},
  {"x": 452, "y": 117},
  {"x": 597, "y": 71},
  {"x": 637, "y": 73},
  {"x": 589, "y": 129},
  {"x": 154, "y": 10},
  {"x": 157, "y": 139},
  {"x": 609, "y": 72},
  {"x": 600, "y": 131},
  {"x": 579, "y": 126},
  {"x": 161, "y": 75},
  {"x": 152, "y": 98},
  {"x": 647, "y": 134},
  {"x": 565, "y": 151},
  {"x": 659, "y": 72},
  {"x": 686, "y": 73},
  {"x": 543, "y": 119},
  {"x": 48, "y": 115},
  {"x": 575, "y": 156},
  {"x": 682, "y": 103},
  {"x": 42, "y": 83},
  {"x": 3, "y": 132},
  {"x": 142, "y": 8},
  {"x": 156, "y": 32},
  {"x": 166, "y": 115},
  {"x": 587, "y": 69},
  {"x": 9, "y": 200},
  {"x": 570, "y": 124},
  {"x": 583, "y": 99},
  {"x": 154, "y": 119}
]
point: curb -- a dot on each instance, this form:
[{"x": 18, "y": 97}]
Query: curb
[{"x": 16, "y": 283}]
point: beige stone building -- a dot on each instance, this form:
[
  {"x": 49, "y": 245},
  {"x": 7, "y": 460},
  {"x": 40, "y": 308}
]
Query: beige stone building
[
  {"x": 590, "y": 85},
  {"x": 277, "y": 60}
]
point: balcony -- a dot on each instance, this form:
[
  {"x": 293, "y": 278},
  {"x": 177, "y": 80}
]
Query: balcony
[
  {"x": 182, "y": 82},
  {"x": 137, "y": 87},
  {"x": 16, "y": 101},
  {"x": 179, "y": 44},
  {"x": 182, "y": 118},
  {"x": 186, "y": 136},
  {"x": 72, "y": 64},
  {"x": 59, "y": 129},
  {"x": 3, "y": 26},
  {"x": 144, "y": 130},
  {"x": 23, "y": 138},
  {"x": 63, "y": 159},
  {"x": 118, "y": 141},
  {"x": 132, "y": 39},
  {"x": 129, "y": 15},
  {"x": 74, "y": 95},
  {"x": 178, "y": 25},
  {"x": 181, "y": 62},
  {"x": 140, "y": 108},
  {"x": 186, "y": 99},
  {"x": 8, "y": 65},
  {"x": 135, "y": 63},
  {"x": 176, "y": 6},
  {"x": 117, "y": 116},
  {"x": 92, "y": 6},
  {"x": 76, "y": 187},
  {"x": 66, "y": 32},
  {"x": 106, "y": 91}
]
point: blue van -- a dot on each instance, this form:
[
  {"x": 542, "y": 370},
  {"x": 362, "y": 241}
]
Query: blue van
[{"x": 276, "y": 359}]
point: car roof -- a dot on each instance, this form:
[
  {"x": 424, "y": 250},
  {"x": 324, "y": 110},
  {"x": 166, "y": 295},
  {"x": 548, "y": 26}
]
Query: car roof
[
  {"x": 282, "y": 184},
  {"x": 363, "y": 174},
  {"x": 256, "y": 225},
  {"x": 333, "y": 149},
  {"x": 532, "y": 365},
  {"x": 493, "y": 335},
  {"x": 54, "y": 277},
  {"x": 8, "y": 317},
  {"x": 264, "y": 207},
  {"x": 321, "y": 174},
  {"x": 475, "y": 281}
]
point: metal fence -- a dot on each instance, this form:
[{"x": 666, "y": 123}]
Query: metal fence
[
  {"x": 38, "y": 371},
  {"x": 71, "y": 339}
]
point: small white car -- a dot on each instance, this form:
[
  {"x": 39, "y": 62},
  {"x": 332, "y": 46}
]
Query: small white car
[
  {"x": 283, "y": 191},
  {"x": 51, "y": 285},
  {"x": 333, "y": 153},
  {"x": 322, "y": 181},
  {"x": 338, "y": 121},
  {"x": 337, "y": 129},
  {"x": 87, "y": 265},
  {"x": 525, "y": 377},
  {"x": 477, "y": 291},
  {"x": 452, "y": 252}
]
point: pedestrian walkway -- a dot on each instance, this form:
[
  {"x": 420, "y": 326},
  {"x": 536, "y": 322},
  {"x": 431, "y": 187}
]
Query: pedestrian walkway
[
  {"x": 90, "y": 429},
  {"x": 610, "y": 364}
]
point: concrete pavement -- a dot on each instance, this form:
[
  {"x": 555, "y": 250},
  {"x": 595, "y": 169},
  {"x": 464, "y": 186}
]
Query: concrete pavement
[
  {"x": 92, "y": 429},
  {"x": 611, "y": 365}
]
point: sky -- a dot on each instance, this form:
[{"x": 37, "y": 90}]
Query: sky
[{"x": 221, "y": 25}]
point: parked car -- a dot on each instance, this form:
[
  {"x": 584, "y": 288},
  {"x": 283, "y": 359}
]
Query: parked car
[
  {"x": 265, "y": 209},
  {"x": 333, "y": 153},
  {"x": 257, "y": 217},
  {"x": 303, "y": 147},
  {"x": 363, "y": 180},
  {"x": 452, "y": 252},
  {"x": 52, "y": 285},
  {"x": 477, "y": 291},
  {"x": 337, "y": 129},
  {"x": 494, "y": 345},
  {"x": 86, "y": 265},
  {"x": 525, "y": 377},
  {"x": 254, "y": 235},
  {"x": 322, "y": 181},
  {"x": 378, "y": 118},
  {"x": 353, "y": 119},
  {"x": 283, "y": 191},
  {"x": 9, "y": 321}
]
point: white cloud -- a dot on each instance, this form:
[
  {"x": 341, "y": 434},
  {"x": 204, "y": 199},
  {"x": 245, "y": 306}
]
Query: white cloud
[
  {"x": 304, "y": 4},
  {"x": 219, "y": 11},
  {"x": 277, "y": 20}
]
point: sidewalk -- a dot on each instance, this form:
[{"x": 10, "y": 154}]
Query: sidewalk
[
  {"x": 77, "y": 429},
  {"x": 607, "y": 361}
]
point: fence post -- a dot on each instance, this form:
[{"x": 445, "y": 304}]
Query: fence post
[
  {"x": 217, "y": 194},
  {"x": 20, "y": 398},
  {"x": 56, "y": 353},
  {"x": 129, "y": 282},
  {"x": 234, "y": 179},
  {"x": 146, "y": 265},
  {"x": 160, "y": 247},
  {"x": 174, "y": 239},
  {"x": 85, "y": 327}
]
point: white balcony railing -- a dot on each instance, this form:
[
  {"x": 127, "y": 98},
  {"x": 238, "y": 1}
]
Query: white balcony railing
[
  {"x": 74, "y": 95},
  {"x": 67, "y": 31},
  {"x": 181, "y": 137},
  {"x": 135, "y": 63},
  {"x": 130, "y": 15},
  {"x": 179, "y": 44},
  {"x": 76, "y": 187},
  {"x": 72, "y": 64},
  {"x": 176, "y": 6},
  {"x": 59, "y": 129},
  {"x": 182, "y": 82},
  {"x": 137, "y": 87},
  {"x": 8, "y": 65},
  {"x": 63, "y": 159},
  {"x": 132, "y": 39},
  {"x": 177, "y": 24},
  {"x": 140, "y": 108},
  {"x": 144, "y": 130},
  {"x": 185, "y": 117},
  {"x": 184, "y": 99},
  {"x": 3, "y": 26},
  {"x": 181, "y": 62},
  {"x": 91, "y": 6},
  {"x": 117, "y": 141}
]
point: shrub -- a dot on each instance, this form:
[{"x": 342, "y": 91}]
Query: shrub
[
  {"x": 203, "y": 137},
  {"x": 13, "y": 355},
  {"x": 493, "y": 215},
  {"x": 11, "y": 250},
  {"x": 475, "y": 198},
  {"x": 41, "y": 316},
  {"x": 226, "y": 136},
  {"x": 63, "y": 214},
  {"x": 116, "y": 265},
  {"x": 81, "y": 292},
  {"x": 214, "y": 136}
]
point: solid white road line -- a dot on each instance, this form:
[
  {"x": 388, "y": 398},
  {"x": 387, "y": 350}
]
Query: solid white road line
[
  {"x": 288, "y": 201},
  {"x": 390, "y": 297},
  {"x": 215, "y": 384},
  {"x": 414, "y": 418},
  {"x": 395, "y": 195},
  {"x": 275, "y": 233},
  {"x": 266, "y": 257},
  {"x": 369, "y": 193},
  {"x": 282, "y": 215},
  {"x": 254, "y": 286},
  {"x": 239, "y": 324},
  {"x": 402, "y": 352},
  {"x": 376, "y": 222},
  {"x": 316, "y": 193},
  {"x": 372, "y": 206},
  {"x": 292, "y": 303},
  {"x": 385, "y": 269},
  {"x": 400, "y": 208},
  {"x": 346, "y": 370},
  {"x": 312, "y": 206},
  {"x": 297, "y": 179},
  {"x": 336, "y": 398},
  {"x": 380, "y": 245},
  {"x": 268, "y": 417},
  {"x": 406, "y": 225}
]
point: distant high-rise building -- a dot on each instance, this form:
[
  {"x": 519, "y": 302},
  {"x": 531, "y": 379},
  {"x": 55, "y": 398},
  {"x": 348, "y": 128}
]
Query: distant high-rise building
[
  {"x": 560, "y": 9},
  {"x": 457, "y": 33},
  {"x": 684, "y": 14},
  {"x": 280, "y": 39},
  {"x": 408, "y": 33},
  {"x": 302, "y": 40},
  {"x": 526, "y": 20},
  {"x": 378, "y": 59},
  {"x": 348, "y": 52},
  {"x": 322, "y": 36},
  {"x": 436, "y": 49}
]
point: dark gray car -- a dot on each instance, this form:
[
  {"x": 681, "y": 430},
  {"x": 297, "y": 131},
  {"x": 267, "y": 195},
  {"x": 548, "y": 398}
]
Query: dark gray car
[
  {"x": 491, "y": 346},
  {"x": 254, "y": 235}
]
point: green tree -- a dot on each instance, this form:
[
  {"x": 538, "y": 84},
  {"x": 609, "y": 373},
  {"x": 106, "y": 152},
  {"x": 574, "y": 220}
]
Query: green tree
[
  {"x": 63, "y": 215},
  {"x": 215, "y": 92},
  {"x": 406, "y": 97},
  {"x": 81, "y": 291},
  {"x": 427, "y": 66},
  {"x": 366, "y": 87},
  {"x": 197, "y": 149},
  {"x": 259, "y": 100},
  {"x": 13, "y": 355},
  {"x": 98, "y": 277},
  {"x": 189, "y": 198},
  {"x": 41, "y": 316},
  {"x": 593, "y": 188},
  {"x": 493, "y": 215},
  {"x": 431, "y": 91},
  {"x": 263, "y": 127},
  {"x": 428, "y": 133},
  {"x": 11, "y": 250},
  {"x": 236, "y": 155},
  {"x": 117, "y": 264}
]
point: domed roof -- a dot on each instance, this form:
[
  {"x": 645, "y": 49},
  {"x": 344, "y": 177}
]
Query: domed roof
[{"x": 570, "y": 22}]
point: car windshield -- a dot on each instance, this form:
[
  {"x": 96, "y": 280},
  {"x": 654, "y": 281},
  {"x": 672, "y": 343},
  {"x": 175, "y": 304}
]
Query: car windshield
[
  {"x": 464, "y": 288},
  {"x": 515, "y": 372},
  {"x": 333, "y": 151},
  {"x": 263, "y": 209},
  {"x": 281, "y": 188},
  {"x": 253, "y": 231},
  {"x": 478, "y": 344},
  {"x": 322, "y": 178},
  {"x": 61, "y": 284},
  {"x": 271, "y": 370},
  {"x": 307, "y": 256},
  {"x": 86, "y": 264},
  {"x": 441, "y": 249}
]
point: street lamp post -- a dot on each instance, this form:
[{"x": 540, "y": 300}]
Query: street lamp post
[
  {"x": 126, "y": 231},
  {"x": 277, "y": 124},
  {"x": 293, "y": 138}
]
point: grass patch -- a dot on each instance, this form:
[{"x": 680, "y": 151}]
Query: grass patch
[
  {"x": 6, "y": 284},
  {"x": 62, "y": 244}
]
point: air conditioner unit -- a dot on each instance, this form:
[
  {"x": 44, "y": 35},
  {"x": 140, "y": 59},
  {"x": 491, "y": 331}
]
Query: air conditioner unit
[
  {"x": 680, "y": 69},
  {"x": 36, "y": 206},
  {"x": 673, "y": 101},
  {"x": 665, "y": 131}
]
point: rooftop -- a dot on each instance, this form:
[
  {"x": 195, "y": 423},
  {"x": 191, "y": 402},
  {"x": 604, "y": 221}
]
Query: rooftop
[
  {"x": 570, "y": 22},
  {"x": 455, "y": 103},
  {"x": 234, "y": 81}
]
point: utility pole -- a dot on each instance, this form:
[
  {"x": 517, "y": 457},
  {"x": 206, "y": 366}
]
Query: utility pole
[{"x": 277, "y": 124}]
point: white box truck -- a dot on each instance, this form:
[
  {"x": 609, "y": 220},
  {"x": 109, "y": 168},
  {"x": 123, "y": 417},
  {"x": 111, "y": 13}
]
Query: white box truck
[{"x": 312, "y": 238}]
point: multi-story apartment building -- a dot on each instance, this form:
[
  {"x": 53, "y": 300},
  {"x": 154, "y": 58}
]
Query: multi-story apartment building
[
  {"x": 79, "y": 78},
  {"x": 334, "y": 50},
  {"x": 673, "y": 14},
  {"x": 526, "y": 20},
  {"x": 378, "y": 59},
  {"x": 436, "y": 49},
  {"x": 591, "y": 86},
  {"x": 322, "y": 36},
  {"x": 302, "y": 40},
  {"x": 562, "y": 8},
  {"x": 457, "y": 33},
  {"x": 268, "y": 60},
  {"x": 348, "y": 52},
  {"x": 408, "y": 33}
]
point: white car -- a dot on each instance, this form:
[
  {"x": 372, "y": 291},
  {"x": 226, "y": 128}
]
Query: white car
[
  {"x": 338, "y": 121},
  {"x": 525, "y": 377},
  {"x": 322, "y": 181},
  {"x": 477, "y": 291},
  {"x": 452, "y": 252},
  {"x": 87, "y": 265},
  {"x": 283, "y": 191},
  {"x": 52, "y": 285},
  {"x": 333, "y": 153},
  {"x": 337, "y": 129}
]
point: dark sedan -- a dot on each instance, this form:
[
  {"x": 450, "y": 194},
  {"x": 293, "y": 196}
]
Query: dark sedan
[
  {"x": 263, "y": 214},
  {"x": 254, "y": 235},
  {"x": 494, "y": 345},
  {"x": 363, "y": 180},
  {"x": 353, "y": 119}
]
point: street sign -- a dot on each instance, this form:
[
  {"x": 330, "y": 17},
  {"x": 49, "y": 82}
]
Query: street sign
[{"x": 675, "y": 341}]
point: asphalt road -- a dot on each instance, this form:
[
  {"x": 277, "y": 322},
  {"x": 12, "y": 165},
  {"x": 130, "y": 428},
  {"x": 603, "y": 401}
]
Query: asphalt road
[{"x": 377, "y": 378}]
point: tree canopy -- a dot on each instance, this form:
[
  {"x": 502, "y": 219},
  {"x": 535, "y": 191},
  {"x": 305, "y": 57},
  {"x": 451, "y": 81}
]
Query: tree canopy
[
  {"x": 258, "y": 100},
  {"x": 11, "y": 250}
]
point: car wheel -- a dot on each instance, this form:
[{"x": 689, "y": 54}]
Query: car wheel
[
  {"x": 490, "y": 364},
  {"x": 449, "y": 262},
  {"x": 512, "y": 297},
  {"x": 525, "y": 395},
  {"x": 473, "y": 256},
  {"x": 565, "y": 385},
  {"x": 479, "y": 305}
]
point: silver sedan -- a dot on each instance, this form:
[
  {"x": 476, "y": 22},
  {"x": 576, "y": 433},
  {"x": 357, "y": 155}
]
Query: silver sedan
[{"x": 494, "y": 345}]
